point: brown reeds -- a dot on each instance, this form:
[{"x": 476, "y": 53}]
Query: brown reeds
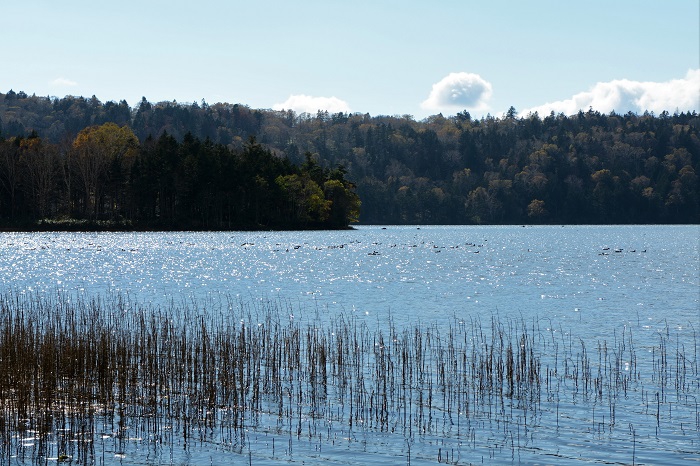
[{"x": 81, "y": 373}]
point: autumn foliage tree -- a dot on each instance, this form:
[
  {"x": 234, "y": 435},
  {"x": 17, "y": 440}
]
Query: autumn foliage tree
[{"x": 103, "y": 156}]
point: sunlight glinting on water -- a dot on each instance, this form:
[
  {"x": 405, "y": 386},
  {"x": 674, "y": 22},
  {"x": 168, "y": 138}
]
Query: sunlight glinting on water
[{"x": 569, "y": 273}]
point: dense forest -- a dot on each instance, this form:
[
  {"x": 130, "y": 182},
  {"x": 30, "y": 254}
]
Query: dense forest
[{"x": 225, "y": 166}]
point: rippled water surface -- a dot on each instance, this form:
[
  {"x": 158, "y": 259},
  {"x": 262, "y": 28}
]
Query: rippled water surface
[
  {"x": 570, "y": 274},
  {"x": 590, "y": 282}
]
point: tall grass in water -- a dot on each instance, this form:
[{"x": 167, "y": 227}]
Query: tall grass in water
[{"x": 75, "y": 374}]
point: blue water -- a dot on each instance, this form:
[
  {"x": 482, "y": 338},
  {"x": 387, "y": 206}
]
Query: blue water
[
  {"x": 589, "y": 283},
  {"x": 424, "y": 273}
]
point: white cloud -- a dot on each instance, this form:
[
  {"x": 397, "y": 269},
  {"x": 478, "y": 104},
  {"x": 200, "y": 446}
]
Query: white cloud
[
  {"x": 459, "y": 91},
  {"x": 63, "y": 82},
  {"x": 623, "y": 96},
  {"x": 308, "y": 104}
]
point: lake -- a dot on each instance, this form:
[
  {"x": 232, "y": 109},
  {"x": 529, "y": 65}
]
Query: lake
[{"x": 616, "y": 307}]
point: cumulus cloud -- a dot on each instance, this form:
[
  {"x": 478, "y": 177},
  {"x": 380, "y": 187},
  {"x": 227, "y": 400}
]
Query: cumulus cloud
[
  {"x": 624, "y": 96},
  {"x": 459, "y": 91},
  {"x": 302, "y": 103},
  {"x": 63, "y": 82}
]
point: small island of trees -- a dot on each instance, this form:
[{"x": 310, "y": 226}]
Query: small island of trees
[{"x": 106, "y": 179}]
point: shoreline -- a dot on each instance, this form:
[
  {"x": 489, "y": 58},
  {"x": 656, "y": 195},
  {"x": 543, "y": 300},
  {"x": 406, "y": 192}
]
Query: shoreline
[{"x": 77, "y": 226}]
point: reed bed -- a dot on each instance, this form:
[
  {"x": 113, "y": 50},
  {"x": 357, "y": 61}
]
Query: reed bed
[{"x": 79, "y": 377}]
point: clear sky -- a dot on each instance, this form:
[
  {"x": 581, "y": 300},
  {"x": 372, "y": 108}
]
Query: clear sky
[{"x": 382, "y": 57}]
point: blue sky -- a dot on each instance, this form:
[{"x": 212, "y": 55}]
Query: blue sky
[{"x": 378, "y": 57}]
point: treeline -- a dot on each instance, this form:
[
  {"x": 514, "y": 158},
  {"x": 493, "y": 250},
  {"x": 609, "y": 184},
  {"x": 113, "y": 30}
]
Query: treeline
[
  {"x": 106, "y": 179},
  {"x": 584, "y": 168}
]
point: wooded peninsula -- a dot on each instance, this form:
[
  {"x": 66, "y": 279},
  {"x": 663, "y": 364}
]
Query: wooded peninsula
[{"x": 79, "y": 163}]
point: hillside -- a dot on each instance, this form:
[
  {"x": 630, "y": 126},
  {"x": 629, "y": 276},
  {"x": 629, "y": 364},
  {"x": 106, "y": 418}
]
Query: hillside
[{"x": 579, "y": 169}]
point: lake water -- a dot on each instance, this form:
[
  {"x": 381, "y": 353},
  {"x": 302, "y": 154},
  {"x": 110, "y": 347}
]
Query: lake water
[
  {"x": 422, "y": 273},
  {"x": 587, "y": 283}
]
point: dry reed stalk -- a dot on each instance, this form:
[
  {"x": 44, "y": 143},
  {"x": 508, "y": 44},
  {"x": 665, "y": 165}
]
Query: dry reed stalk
[{"x": 183, "y": 374}]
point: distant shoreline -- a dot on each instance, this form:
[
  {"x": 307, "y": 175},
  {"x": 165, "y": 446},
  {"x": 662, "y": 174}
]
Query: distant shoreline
[
  {"x": 107, "y": 226},
  {"x": 112, "y": 227}
]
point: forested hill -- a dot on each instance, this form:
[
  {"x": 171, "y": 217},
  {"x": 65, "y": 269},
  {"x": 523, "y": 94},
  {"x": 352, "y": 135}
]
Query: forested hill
[{"x": 584, "y": 168}]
